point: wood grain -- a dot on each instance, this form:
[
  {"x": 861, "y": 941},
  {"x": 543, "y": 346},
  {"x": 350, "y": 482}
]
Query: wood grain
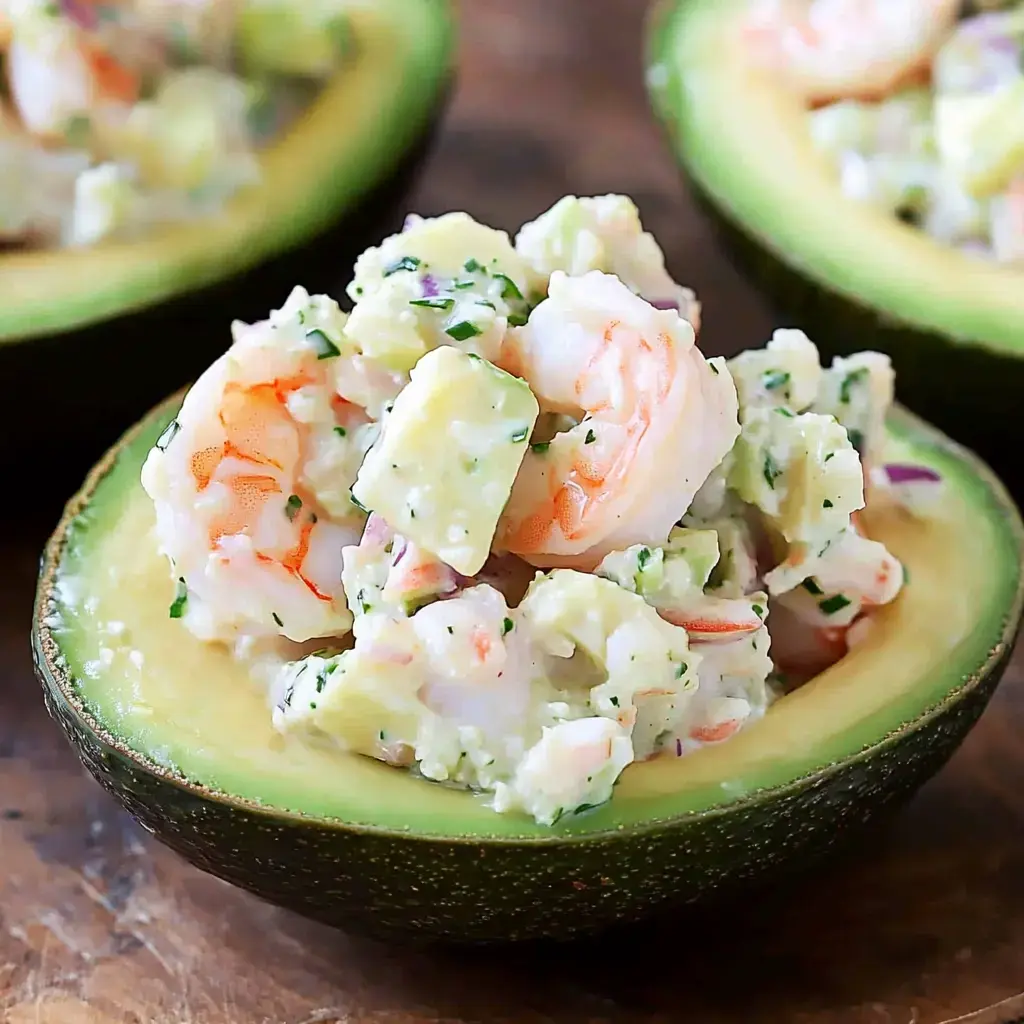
[{"x": 922, "y": 922}]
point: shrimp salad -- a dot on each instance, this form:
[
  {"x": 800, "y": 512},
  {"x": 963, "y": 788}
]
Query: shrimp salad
[
  {"x": 503, "y": 524},
  {"x": 920, "y": 110},
  {"x": 118, "y": 115}
]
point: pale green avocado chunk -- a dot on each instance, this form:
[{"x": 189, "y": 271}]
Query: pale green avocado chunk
[
  {"x": 306, "y": 39},
  {"x": 442, "y": 469}
]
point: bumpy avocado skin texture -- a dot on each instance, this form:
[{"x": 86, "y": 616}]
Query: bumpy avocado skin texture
[
  {"x": 966, "y": 389},
  {"x": 388, "y": 883},
  {"x": 85, "y": 384}
]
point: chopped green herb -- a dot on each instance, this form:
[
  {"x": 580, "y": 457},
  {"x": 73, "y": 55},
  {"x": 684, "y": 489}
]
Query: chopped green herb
[
  {"x": 829, "y": 456},
  {"x": 380, "y": 735},
  {"x": 811, "y": 586},
  {"x": 177, "y": 608},
  {"x": 643, "y": 556},
  {"x": 77, "y": 130},
  {"x": 358, "y": 504},
  {"x": 906, "y": 575},
  {"x": 451, "y": 631},
  {"x": 276, "y": 618},
  {"x": 517, "y": 319},
  {"x": 167, "y": 435},
  {"x": 540, "y": 447},
  {"x": 848, "y": 382},
  {"x": 520, "y": 435},
  {"x": 486, "y": 302},
  {"x": 509, "y": 290},
  {"x": 441, "y": 302},
  {"x": 681, "y": 670},
  {"x": 614, "y": 701},
  {"x": 783, "y": 411},
  {"x": 405, "y": 263},
  {"x": 833, "y": 604},
  {"x": 856, "y": 438},
  {"x": 292, "y": 506},
  {"x": 774, "y": 379},
  {"x": 506, "y": 626},
  {"x": 312, "y": 705},
  {"x": 590, "y": 438},
  {"x": 340, "y": 431},
  {"x": 758, "y": 611},
  {"x": 472, "y": 266},
  {"x": 771, "y": 470},
  {"x": 714, "y": 369},
  {"x": 463, "y": 330},
  {"x": 463, "y": 285},
  {"x": 325, "y": 348},
  {"x": 584, "y": 807}
]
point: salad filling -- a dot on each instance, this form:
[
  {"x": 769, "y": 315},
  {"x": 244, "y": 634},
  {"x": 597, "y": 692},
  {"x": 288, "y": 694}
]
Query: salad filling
[
  {"x": 919, "y": 110},
  {"x": 505, "y": 526},
  {"x": 119, "y": 115}
]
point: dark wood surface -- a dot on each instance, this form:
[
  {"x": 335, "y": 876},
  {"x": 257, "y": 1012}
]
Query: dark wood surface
[{"x": 921, "y": 922}]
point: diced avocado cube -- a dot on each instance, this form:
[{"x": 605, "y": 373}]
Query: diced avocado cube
[
  {"x": 441, "y": 471},
  {"x": 981, "y": 137},
  {"x": 306, "y": 39}
]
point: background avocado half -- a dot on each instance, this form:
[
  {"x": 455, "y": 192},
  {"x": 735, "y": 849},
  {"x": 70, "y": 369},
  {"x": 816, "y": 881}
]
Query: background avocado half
[
  {"x": 94, "y": 337},
  {"x": 852, "y": 276},
  {"x": 191, "y": 753}
]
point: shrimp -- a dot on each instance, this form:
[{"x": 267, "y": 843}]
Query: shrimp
[
  {"x": 253, "y": 547},
  {"x": 849, "y": 49},
  {"x": 658, "y": 418},
  {"x": 57, "y": 73}
]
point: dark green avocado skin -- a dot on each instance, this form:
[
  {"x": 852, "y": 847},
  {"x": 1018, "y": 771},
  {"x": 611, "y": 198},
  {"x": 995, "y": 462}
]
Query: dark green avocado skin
[
  {"x": 70, "y": 395},
  {"x": 421, "y": 889},
  {"x": 961, "y": 387}
]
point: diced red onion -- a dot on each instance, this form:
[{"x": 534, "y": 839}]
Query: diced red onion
[
  {"x": 903, "y": 474},
  {"x": 429, "y": 286},
  {"x": 376, "y": 532},
  {"x": 665, "y": 304},
  {"x": 82, "y": 14}
]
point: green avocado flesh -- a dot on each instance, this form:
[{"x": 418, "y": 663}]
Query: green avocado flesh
[
  {"x": 745, "y": 143},
  {"x": 145, "y": 685},
  {"x": 366, "y": 117}
]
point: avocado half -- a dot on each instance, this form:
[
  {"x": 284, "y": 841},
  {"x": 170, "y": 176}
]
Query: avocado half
[
  {"x": 176, "y": 731},
  {"x": 852, "y": 276},
  {"x": 98, "y": 335}
]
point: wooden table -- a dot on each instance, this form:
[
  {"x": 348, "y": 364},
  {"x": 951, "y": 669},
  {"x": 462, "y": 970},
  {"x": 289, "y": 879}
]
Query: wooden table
[{"x": 921, "y": 922}]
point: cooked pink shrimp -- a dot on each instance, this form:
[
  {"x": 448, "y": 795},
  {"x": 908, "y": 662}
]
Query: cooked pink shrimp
[
  {"x": 848, "y": 49},
  {"x": 715, "y": 619},
  {"x": 657, "y": 419},
  {"x": 56, "y": 72},
  {"x": 253, "y": 549}
]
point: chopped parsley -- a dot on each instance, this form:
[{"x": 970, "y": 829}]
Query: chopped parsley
[
  {"x": 167, "y": 435},
  {"x": 614, "y": 701},
  {"x": 771, "y": 470},
  {"x": 358, "y": 504},
  {"x": 833, "y": 604},
  {"x": 590, "y": 438},
  {"x": 506, "y": 626},
  {"x": 463, "y": 330},
  {"x": 517, "y": 319},
  {"x": 681, "y": 669},
  {"x": 292, "y": 506},
  {"x": 463, "y": 285},
  {"x": 758, "y": 611},
  {"x": 441, "y": 302},
  {"x": 487, "y": 303},
  {"x": 451, "y": 631},
  {"x": 472, "y": 266},
  {"x": 177, "y": 608},
  {"x": 714, "y": 369},
  {"x": 826, "y": 503},
  {"x": 321, "y": 676},
  {"x": 325, "y": 348},
  {"x": 509, "y": 289},
  {"x": 405, "y": 263},
  {"x": 643, "y": 556},
  {"x": 77, "y": 130},
  {"x": 811, "y": 586},
  {"x": 340, "y": 431},
  {"x": 856, "y": 438},
  {"x": 783, "y": 411},
  {"x": 364, "y": 605},
  {"x": 540, "y": 447},
  {"x": 277, "y": 619},
  {"x": 829, "y": 456},
  {"x": 848, "y": 382},
  {"x": 520, "y": 435},
  {"x": 774, "y": 379}
]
